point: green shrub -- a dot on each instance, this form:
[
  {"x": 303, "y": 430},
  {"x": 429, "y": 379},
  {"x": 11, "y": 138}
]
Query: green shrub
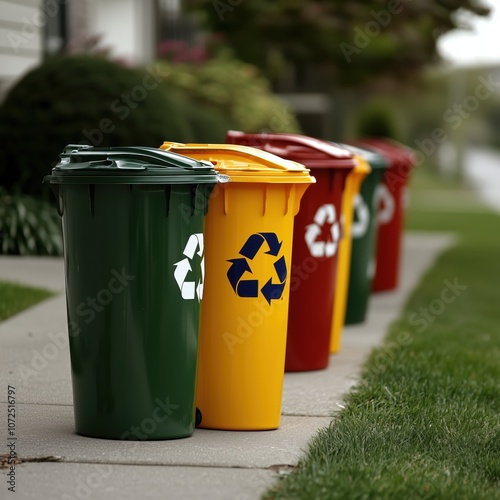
[
  {"x": 208, "y": 124},
  {"x": 377, "y": 119},
  {"x": 236, "y": 89},
  {"x": 29, "y": 226},
  {"x": 83, "y": 100}
]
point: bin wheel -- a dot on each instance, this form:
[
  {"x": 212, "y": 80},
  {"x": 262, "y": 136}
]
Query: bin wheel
[{"x": 198, "y": 418}]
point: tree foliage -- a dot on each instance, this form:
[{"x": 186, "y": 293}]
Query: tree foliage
[
  {"x": 355, "y": 40},
  {"x": 235, "y": 88},
  {"x": 90, "y": 100}
]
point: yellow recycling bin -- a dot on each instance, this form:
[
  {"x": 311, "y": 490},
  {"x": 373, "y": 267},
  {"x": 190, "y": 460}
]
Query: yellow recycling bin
[
  {"x": 248, "y": 246},
  {"x": 351, "y": 189}
]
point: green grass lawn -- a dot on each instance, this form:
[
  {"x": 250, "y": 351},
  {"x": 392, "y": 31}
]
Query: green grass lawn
[
  {"x": 425, "y": 420},
  {"x": 14, "y": 298}
]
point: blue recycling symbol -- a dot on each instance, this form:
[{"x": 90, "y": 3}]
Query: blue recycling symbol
[{"x": 271, "y": 290}]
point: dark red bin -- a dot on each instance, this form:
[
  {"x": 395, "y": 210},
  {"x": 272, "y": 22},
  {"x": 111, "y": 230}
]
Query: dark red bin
[
  {"x": 317, "y": 232},
  {"x": 392, "y": 199}
]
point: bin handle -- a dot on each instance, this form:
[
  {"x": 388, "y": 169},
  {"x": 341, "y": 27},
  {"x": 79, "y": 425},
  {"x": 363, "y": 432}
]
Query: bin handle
[
  {"x": 107, "y": 163},
  {"x": 154, "y": 156}
]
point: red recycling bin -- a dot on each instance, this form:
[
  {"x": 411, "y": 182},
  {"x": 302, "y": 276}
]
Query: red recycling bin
[
  {"x": 317, "y": 232},
  {"x": 392, "y": 200}
]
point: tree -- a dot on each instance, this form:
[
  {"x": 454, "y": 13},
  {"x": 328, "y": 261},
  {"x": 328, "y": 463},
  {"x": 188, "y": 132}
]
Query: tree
[
  {"x": 81, "y": 100},
  {"x": 353, "y": 41}
]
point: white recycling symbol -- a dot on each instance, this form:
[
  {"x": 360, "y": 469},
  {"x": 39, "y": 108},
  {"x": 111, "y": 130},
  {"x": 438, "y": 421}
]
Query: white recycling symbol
[
  {"x": 362, "y": 217},
  {"x": 325, "y": 214},
  {"x": 385, "y": 203},
  {"x": 190, "y": 289}
]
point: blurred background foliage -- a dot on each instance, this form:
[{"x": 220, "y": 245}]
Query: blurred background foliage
[
  {"x": 235, "y": 88},
  {"x": 376, "y": 60},
  {"x": 28, "y": 226},
  {"x": 400, "y": 40},
  {"x": 81, "y": 100}
]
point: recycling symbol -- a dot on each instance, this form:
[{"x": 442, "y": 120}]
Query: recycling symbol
[
  {"x": 271, "y": 290},
  {"x": 361, "y": 217},
  {"x": 386, "y": 204},
  {"x": 190, "y": 289},
  {"x": 325, "y": 214}
]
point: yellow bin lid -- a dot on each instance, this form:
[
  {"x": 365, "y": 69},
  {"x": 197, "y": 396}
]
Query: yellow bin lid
[{"x": 244, "y": 163}]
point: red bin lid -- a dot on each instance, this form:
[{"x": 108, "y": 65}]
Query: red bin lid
[
  {"x": 313, "y": 153},
  {"x": 397, "y": 154}
]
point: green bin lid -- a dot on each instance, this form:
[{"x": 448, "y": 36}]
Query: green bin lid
[
  {"x": 375, "y": 160},
  {"x": 129, "y": 165}
]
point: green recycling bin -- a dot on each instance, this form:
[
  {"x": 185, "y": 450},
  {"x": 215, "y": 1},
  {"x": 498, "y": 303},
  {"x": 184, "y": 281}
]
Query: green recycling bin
[
  {"x": 364, "y": 233},
  {"x": 133, "y": 221}
]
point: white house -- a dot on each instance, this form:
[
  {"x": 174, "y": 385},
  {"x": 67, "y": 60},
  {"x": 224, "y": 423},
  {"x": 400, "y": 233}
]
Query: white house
[
  {"x": 21, "y": 39},
  {"x": 32, "y": 29}
]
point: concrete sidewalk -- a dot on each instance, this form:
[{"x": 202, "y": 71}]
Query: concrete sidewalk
[{"x": 217, "y": 465}]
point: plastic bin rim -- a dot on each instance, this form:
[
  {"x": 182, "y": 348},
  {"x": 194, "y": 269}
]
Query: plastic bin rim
[
  {"x": 142, "y": 180},
  {"x": 312, "y": 152},
  {"x": 374, "y": 158},
  {"x": 334, "y": 164},
  {"x": 394, "y": 154},
  {"x": 245, "y": 163},
  {"x": 306, "y": 143},
  {"x": 129, "y": 165},
  {"x": 362, "y": 166}
]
